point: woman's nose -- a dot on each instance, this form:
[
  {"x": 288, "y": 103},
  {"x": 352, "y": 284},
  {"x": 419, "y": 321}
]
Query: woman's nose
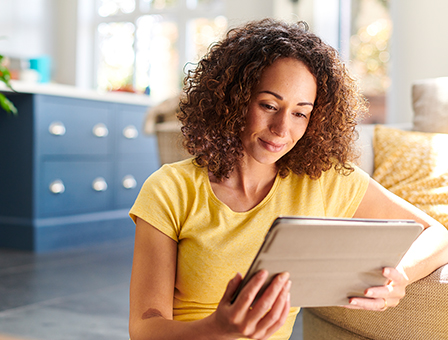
[{"x": 279, "y": 124}]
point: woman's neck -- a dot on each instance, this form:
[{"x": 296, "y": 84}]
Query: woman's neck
[{"x": 246, "y": 186}]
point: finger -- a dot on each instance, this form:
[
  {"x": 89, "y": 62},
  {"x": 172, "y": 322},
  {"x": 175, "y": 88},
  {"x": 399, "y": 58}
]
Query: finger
[
  {"x": 369, "y": 304},
  {"x": 376, "y": 304},
  {"x": 395, "y": 275},
  {"x": 281, "y": 319},
  {"x": 379, "y": 292},
  {"x": 396, "y": 288},
  {"x": 232, "y": 286},
  {"x": 276, "y": 312},
  {"x": 249, "y": 292},
  {"x": 270, "y": 295}
]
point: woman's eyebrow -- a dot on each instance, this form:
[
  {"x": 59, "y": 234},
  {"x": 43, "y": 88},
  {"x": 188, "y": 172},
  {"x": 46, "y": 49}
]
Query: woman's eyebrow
[
  {"x": 273, "y": 93},
  {"x": 276, "y": 95}
]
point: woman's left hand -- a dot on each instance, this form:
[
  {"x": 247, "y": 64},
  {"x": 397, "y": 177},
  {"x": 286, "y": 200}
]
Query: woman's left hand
[{"x": 382, "y": 297}]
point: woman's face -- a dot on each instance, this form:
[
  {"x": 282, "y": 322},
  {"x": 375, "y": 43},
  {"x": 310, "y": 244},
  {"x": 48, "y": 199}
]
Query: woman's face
[{"x": 279, "y": 111}]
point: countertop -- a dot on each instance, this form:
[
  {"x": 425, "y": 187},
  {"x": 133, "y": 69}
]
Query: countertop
[{"x": 75, "y": 92}]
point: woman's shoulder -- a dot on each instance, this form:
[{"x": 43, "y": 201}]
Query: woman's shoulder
[
  {"x": 185, "y": 172},
  {"x": 354, "y": 174},
  {"x": 337, "y": 192},
  {"x": 346, "y": 182}
]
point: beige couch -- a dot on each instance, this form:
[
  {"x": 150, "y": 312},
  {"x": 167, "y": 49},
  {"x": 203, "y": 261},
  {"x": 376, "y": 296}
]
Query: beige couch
[{"x": 423, "y": 312}]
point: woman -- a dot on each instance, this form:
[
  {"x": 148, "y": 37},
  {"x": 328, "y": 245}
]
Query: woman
[{"x": 269, "y": 116}]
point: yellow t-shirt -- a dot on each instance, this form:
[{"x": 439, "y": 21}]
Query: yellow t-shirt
[{"x": 214, "y": 242}]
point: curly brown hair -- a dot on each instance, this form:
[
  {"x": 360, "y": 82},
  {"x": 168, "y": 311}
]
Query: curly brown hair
[{"x": 219, "y": 89}]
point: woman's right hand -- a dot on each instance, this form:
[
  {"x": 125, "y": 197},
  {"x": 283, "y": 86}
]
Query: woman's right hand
[{"x": 264, "y": 318}]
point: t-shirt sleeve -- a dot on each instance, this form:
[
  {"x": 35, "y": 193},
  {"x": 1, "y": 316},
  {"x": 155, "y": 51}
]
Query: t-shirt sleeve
[
  {"x": 341, "y": 193},
  {"x": 160, "y": 202}
]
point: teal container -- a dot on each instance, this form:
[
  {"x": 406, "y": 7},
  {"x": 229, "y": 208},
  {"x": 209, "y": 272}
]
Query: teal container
[{"x": 43, "y": 66}]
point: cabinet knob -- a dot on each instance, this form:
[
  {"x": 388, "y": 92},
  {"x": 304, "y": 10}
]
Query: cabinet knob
[
  {"x": 130, "y": 132},
  {"x": 57, "y": 128},
  {"x": 129, "y": 182},
  {"x": 100, "y": 130},
  {"x": 57, "y": 187},
  {"x": 99, "y": 184}
]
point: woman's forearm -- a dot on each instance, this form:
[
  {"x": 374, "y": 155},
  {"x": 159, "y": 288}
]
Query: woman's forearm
[
  {"x": 160, "y": 328},
  {"x": 428, "y": 252}
]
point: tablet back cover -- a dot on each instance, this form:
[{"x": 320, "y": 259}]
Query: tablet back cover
[{"x": 331, "y": 260}]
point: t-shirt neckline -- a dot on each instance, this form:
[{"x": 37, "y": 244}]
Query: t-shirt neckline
[{"x": 263, "y": 202}]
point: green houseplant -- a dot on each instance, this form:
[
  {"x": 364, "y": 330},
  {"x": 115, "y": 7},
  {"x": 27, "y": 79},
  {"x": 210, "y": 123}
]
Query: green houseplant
[{"x": 5, "y": 77}]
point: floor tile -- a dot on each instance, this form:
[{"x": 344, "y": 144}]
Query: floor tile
[
  {"x": 44, "y": 278},
  {"x": 52, "y": 323},
  {"x": 10, "y": 337},
  {"x": 78, "y": 294}
]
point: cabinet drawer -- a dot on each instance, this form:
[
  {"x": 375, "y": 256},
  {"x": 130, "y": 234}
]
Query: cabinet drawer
[
  {"x": 74, "y": 187},
  {"x": 73, "y": 127},
  {"x": 130, "y": 177},
  {"x": 130, "y": 136}
]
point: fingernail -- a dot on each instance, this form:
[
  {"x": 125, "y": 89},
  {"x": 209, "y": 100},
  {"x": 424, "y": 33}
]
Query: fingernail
[
  {"x": 262, "y": 274},
  {"x": 283, "y": 276},
  {"x": 353, "y": 302},
  {"x": 288, "y": 285},
  {"x": 386, "y": 271},
  {"x": 368, "y": 293},
  {"x": 288, "y": 297}
]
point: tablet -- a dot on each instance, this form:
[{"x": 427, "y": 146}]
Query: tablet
[{"x": 331, "y": 259}]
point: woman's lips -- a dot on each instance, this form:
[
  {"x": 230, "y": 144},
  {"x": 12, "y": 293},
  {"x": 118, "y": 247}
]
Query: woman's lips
[{"x": 272, "y": 147}]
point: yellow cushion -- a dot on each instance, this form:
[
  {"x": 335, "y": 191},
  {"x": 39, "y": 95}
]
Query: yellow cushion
[{"x": 414, "y": 166}]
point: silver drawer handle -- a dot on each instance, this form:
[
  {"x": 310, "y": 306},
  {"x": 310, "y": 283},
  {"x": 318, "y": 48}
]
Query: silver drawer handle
[
  {"x": 129, "y": 182},
  {"x": 57, "y": 187},
  {"x": 99, "y": 184},
  {"x": 100, "y": 130},
  {"x": 130, "y": 132},
  {"x": 57, "y": 128}
]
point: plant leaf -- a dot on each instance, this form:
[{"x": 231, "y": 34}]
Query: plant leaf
[
  {"x": 7, "y": 105},
  {"x": 5, "y": 76}
]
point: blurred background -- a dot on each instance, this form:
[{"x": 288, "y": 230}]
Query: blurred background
[{"x": 145, "y": 45}]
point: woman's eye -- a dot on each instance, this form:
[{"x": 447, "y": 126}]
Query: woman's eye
[
  {"x": 269, "y": 107},
  {"x": 298, "y": 114}
]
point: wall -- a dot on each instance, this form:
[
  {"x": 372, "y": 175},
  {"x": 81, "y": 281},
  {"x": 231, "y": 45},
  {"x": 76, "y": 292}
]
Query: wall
[
  {"x": 34, "y": 28},
  {"x": 419, "y": 50},
  {"x": 240, "y": 11},
  {"x": 26, "y": 26},
  {"x": 65, "y": 38}
]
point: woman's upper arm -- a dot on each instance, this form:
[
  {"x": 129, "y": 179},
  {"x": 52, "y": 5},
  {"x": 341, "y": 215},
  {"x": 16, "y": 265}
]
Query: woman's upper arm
[
  {"x": 380, "y": 203},
  {"x": 153, "y": 274}
]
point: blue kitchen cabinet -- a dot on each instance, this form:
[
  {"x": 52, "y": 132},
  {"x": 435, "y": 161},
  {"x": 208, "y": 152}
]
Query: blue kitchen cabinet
[{"x": 70, "y": 169}]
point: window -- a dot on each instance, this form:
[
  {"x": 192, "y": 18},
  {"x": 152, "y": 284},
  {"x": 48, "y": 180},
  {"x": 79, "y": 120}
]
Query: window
[
  {"x": 361, "y": 31},
  {"x": 143, "y": 45},
  {"x": 371, "y": 28}
]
